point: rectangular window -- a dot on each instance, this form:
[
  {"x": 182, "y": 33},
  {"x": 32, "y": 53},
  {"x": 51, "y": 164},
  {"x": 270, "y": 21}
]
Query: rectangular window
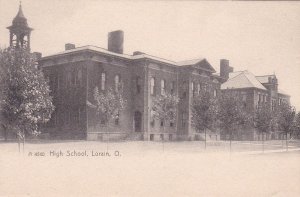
[
  {"x": 162, "y": 136},
  {"x": 152, "y": 86},
  {"x": 117, "y": 83},
  {"x": 117, "y": 120},
  {"x": 193, "y": 88},
  {"x": 67, "y": 117},
  {"x": 69, "y": 78},
  {"x": 161, "y": 123},
  {"x": 103, "y": 81},
  {"x": 75, "y": 116},
  {"x": 244, "y": 97},
  {"x": 138, "y": 85},
  {"x": 151, "y": 137},
  {"x": 173, "y": 87},
  {"x": 184, "y": 87},
  {"x": 152, "y": 123},
  {"x": 78, "y": 77},
  {"x": 162, "y": 86},
  {"x": 183, "y": 119},
  {"x": 205, "y": 87},
  {"x": 58, "y": 82},
  {"x": 79, "y": 115}
]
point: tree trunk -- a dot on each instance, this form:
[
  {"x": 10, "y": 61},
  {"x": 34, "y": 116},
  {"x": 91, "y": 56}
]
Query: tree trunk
[
  {"x": 23, "y": 142},
  {"x": 286, "y": 142},
  {"x": 163, "y": 139},
  {"x": 205, "y": 139},
  {"x": 263, "y": 144},
  {"x": 5, "y": 134},
  {"x": 230, "y": 139},
  {"x": 19, "y": 143}
]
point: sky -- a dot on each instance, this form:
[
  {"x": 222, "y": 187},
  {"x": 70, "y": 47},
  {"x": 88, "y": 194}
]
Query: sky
[{"x": 261, "y": 37}]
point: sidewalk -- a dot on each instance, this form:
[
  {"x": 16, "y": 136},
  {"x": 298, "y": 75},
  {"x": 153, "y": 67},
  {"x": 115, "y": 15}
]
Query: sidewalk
[{"x": 267, "y": 151}]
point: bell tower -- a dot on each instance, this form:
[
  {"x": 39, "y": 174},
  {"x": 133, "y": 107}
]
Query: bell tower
[{"x": 19, "y": 31}]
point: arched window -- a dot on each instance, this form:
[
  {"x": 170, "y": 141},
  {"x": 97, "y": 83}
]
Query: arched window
[
  {"x": 117, "y": 82},
  {"x": 152, "y": 85},
  {"x": 103, "y": 79},
  {"x": 162, "y": 86}
]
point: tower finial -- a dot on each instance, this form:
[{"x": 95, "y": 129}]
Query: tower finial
[{"x": 20, "y": 12}]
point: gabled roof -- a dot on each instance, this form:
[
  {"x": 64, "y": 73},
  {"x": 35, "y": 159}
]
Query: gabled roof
[
  {"x": 190, "y": 62},
  {"x": 242, "y": 79},
  {"x": 200, "y": 63}
]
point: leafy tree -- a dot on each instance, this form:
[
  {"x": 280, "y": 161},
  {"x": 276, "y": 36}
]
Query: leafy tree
[
  {"x": 164, "y": 107},
  {"x": 285, "y": 119},
  {"x": 25, "y": 102},
  {"x": 204, "y": 112},
  {"x": 263, "y": 120},
  {"x": 232, "y": 113},
  {"x": 109, "y": 103},
  {"x": 297, "y": 125}
]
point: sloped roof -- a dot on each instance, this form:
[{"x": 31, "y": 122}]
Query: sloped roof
[
  {"x": 202, "y": 63},
  {"x": 283, "y": 92},
  {"x": 134, "y": 57},
  {"x": 243, "y": 79},
  {"x": 189, "y": 62},
  {"x": 105, "y": 51},
  {"x": 234, "y": 74},
  {"x": 20, "y": 20},
  {"x": 265, "y": 78}
]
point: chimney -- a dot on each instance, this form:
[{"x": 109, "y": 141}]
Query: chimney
[
  {"x": 37, "y": 55},
  {"x": 225, "y": 69},
  {"x": 69, "y": 46},
  {"x": 115, "y": 41}
]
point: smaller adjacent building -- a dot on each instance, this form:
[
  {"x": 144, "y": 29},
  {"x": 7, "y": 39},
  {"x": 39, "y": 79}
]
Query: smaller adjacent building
[{"x": 254, "y": 90}]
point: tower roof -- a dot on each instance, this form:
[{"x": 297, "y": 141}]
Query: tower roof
[{"x": 20, "y": 20}]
